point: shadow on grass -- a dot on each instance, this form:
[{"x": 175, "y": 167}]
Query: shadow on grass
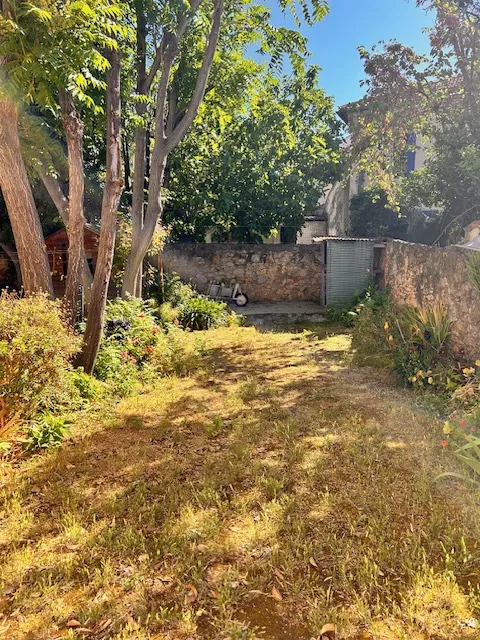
[{"x": 260, "y": 472}]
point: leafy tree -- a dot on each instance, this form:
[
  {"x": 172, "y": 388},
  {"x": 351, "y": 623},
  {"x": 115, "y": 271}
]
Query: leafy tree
[
  {"x": 435, "y": 97},
  {"x": 176, "y": 50},
  {"x": 247, "y": 167},
  {"x": 370, "y": 216}
]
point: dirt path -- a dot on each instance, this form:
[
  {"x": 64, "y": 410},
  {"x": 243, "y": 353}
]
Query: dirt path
[{"x": 275, "y": 491}]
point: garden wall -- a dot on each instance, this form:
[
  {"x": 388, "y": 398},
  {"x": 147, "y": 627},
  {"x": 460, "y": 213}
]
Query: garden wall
[
  {"x": 422, "y": 276},
  {"x": 266, "y": 273}
]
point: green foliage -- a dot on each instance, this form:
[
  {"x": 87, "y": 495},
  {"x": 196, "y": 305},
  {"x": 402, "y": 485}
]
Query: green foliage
[
  {"x": 460, "y": 434},
  {"x": 415, "y": 344},
  {"x": 174, "y": 290},
  {"x": 130, "y": 336},
  {"x": 347, "y": 313},
  {"x": 178, "y": 352},
  {"x": 88, "y": 388},
  {"x": 46, "y": 432},
  {"x": 371, "y": 217},
  {"x": 251, "y": 165},
  {"x": 49, "y": 45},
  {"x": 36, "y": 345},
  {"x": 201, "y": 313},
  {"x": 432, "y": 99}
]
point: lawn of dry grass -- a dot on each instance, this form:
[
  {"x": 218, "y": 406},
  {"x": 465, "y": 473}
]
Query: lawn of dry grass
[{"x": 276, "y": 490}]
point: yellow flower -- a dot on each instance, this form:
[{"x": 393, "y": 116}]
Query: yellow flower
[
  {"x": 414, "y": 379},
  {"x": 386, "y": 326},
  {"x": 430, "y": 380},
  {"x": 469, "y": 371},
  {"x": 447, "y": 428},
  {"x": 477, "y": 363},
  {"x": 420, "y": 373},
  {"x": 390, "y": 338}
]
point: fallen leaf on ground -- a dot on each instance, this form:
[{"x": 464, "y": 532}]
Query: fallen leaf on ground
[
  {"x": 313, "y": 563},
  {"x": 102, "y": 626},
  {"x": 327, "y": 632},
  {"x": 71, "y": 624},
  {"x": 193, "y": 595},
  {"x": 276, "y": 594},
  {"x": 279, "y": 574}
]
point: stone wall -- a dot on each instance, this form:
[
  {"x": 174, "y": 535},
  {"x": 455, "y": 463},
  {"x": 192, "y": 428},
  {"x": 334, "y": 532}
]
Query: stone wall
[
  {"x": 423, "y": 276},
  {"x": 266, "y": 273}
]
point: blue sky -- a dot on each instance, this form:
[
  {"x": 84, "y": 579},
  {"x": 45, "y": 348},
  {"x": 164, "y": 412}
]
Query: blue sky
[{"x": 352, "y": 23}]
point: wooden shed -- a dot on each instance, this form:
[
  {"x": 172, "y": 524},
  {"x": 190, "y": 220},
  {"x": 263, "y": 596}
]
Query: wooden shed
[{"x": 57, "y": 249}]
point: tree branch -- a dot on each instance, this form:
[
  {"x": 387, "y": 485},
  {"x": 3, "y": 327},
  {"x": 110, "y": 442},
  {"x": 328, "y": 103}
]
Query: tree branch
[
  {"x": 55, "y": 192},
  {"x": 181, "y": 129},
  {"x": 180, "y": 32}
]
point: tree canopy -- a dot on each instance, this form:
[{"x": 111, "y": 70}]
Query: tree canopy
[{"x": 434, "y": 98}]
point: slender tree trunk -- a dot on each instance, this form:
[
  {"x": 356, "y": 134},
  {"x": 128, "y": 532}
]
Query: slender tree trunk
[
  {"x": 111, "y": 199},
  {"x": 22, "y": 211},
  {"x": 140, "y": 158},
  {"x": 168, "y": 135},
  {"x": 62, "y": 204},
  {"x": 73, "y": 127}
]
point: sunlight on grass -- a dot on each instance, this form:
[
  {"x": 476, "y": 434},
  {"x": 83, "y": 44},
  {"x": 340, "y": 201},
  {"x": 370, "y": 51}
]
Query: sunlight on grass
[{"x": 275, "y": 465}]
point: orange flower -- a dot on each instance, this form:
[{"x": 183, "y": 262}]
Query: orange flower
[
  {"x": 462, "y": 423},
  {"x": 444, "y": 443}
]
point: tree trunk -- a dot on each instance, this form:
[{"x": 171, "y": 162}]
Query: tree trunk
[
  {"x": 73, "y": 127},
  {"x": 168, "y": 135},
  {"x": 62, "y": 204},
  {"x": 140, "y": 158},
  {"x": 111, "y": 199},
  {"x": 22, "y": 211}
]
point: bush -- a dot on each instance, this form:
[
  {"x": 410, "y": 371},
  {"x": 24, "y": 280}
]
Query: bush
[
  {"x": 129, "y": 340},
  {"x": 175, "y": 291},
  {"x": 36, "y": 345},
  {"x": 178, "y": 352},
  {"x": 202, "y": 313},
  {"x": 46, "y": 432},
  {"x": 87, "y": 387},
  {"x": 347, "y": 312}
]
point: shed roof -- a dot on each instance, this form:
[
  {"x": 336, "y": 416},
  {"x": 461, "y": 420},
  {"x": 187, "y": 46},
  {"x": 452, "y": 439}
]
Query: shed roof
[{"x": 88, "y": 225}]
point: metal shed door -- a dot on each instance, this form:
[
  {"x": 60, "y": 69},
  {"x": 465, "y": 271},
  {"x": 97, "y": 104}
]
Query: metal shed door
[{"x": 349, "y": 266}]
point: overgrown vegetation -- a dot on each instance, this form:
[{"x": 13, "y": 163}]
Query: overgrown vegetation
[
  {"x": 36, "y": 346},
  {"x": 139, "y": 344},
  {"x": 415, "y": 344},
  {"x": 272, "y": 492}
]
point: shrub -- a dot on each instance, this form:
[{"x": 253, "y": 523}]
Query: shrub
[
  {"x": 36, "y": 345},
  {"x": 347, "y": 312},
  {"x": 46, "y": 432},
  {"x": 115, "y": 367},
  {"x": 202, "y": 313},
  {"x": 174, "y": 290},
  {"x": 131, "y": 324},
  {"x": 130, "y": 337},
  {"x": 178, "y": 352},
  {"x": 87, "y": 387}
]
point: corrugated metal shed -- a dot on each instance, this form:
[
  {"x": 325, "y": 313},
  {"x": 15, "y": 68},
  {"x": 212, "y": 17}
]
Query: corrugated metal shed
[{"x": 349, "y": 266}]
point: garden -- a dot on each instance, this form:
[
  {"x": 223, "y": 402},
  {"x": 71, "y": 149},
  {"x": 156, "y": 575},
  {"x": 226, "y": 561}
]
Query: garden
[{"x": 216, "y": 481}]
